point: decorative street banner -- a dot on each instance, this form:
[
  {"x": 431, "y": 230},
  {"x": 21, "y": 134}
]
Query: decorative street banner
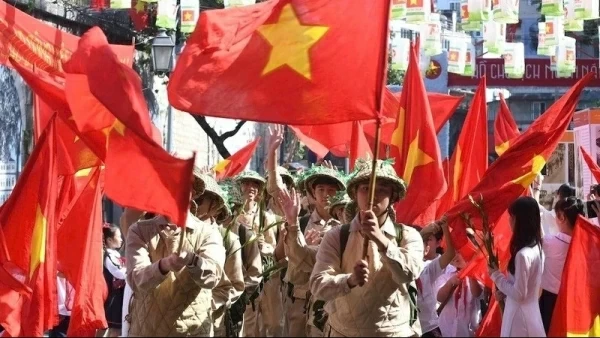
[
  {"x": 537, "y": 74},
  {"x": 190, "y": 10},
  {"x": 35, "y": 44}
]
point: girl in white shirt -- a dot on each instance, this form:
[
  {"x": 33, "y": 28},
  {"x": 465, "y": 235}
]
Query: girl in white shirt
[
  {"x": 555, "y": 251},
  {"x": 520, "y": 289},
  {"x": 114, "y": 274}
]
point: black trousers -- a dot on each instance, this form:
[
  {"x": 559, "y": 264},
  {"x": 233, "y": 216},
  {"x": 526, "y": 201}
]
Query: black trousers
[
  {"x": 547, "y": 303},
  {"x": 61, "y": 329}
]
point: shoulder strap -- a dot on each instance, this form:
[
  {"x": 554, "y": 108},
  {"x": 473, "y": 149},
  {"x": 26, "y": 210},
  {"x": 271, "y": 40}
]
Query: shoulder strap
[
  {"x": 304, "y": 223},
  {"x": 344, "y": 235},
  {"x": 243, "y": 236},
  {"x": 399, "y": 233}
]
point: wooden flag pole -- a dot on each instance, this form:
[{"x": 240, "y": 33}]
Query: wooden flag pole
[{"x": 372, "y": 182}]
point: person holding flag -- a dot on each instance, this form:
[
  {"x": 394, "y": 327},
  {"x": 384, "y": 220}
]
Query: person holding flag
[{"x": 376, "y": 296}]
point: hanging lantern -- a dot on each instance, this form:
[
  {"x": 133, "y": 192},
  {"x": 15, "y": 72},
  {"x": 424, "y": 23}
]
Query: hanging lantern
[
  {"x": 514, "y": 60},
  {"x": 431, "y": 36},
  {"x": 554, "y": 30},
  {"x": 543, "y": 48},
  {"x": 398, "y": 10},
  {"x": 457, "y": 55},
  {"x": 400, "y": 53},
  {"x": 166, "y": 14},
  {"x": 494, "y": 37},
  {"x": 190, "y": 10},
  {"x": 552, "y": 7},
  {"x": 479, "y": 10},
  {"x": 553, "y": 59},
  {"x": 465, "y": 24},
  {"x": 572, "y": 24},
  {"x": 238, "y": 3},
  {"x": 417, "y": 11},
  {"x": 565, "y": 57},
  {"x": 470, "y": 62},
  {"x": 120, "y": 4},
  {"x": 587, "y": 9},
  {"x": 506, "y": 11}
]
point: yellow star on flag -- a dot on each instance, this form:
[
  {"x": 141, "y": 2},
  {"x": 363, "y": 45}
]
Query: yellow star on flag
[
  {"x": 38, "y": 241},
  {"x": 86, "y": 171},
  {"x": 457, "y": 174},
  {"x": 415, "y": 158},
  {"x": 414, "y": 2},
  {"x": 500, "y": 149},
  {"x": 291, "y": 42},
  {"x": 220, "y": 167},
  {"x": 593, "y": 332},
  {"x": 537, "y": 165},
  {"x": 188, "y": 16}
]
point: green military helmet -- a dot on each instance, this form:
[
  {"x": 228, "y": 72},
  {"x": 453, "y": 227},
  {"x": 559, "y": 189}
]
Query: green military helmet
[
  {"x": 287, "y": 178},
  {"x": 339, "y": 199},
  {"x": 320, "y": 172},
  {"x": 385, "y": 172},
  {"x": 198, "y": 184},
  {"x": 251, "y": 175},
  {"x": 212, "y": 187}
]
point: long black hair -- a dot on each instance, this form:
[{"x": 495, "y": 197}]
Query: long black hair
[
  {"x": 571, "y": 207},
  {"x": 527, "y": 231},
  {"x": 109, "y": 230}
]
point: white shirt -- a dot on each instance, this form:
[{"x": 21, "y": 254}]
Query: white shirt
[
  {"x": 462, "y": 319},
  {"x": 66, "y": 295},
  {"x": 114, "y": 264},
  {"x": 555, "y": 251},
  {"x": 549, "y": 226},
  {"x": 427, "y": 299}
]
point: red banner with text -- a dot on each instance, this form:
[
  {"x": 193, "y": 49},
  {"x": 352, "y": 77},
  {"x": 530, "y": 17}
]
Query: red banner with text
[
  {"x": 538, "y": 73},
  {"x": 36, "y": 45}
]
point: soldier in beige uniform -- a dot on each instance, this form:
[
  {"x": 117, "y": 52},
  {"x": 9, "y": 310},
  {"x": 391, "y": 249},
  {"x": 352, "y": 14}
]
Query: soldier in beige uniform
[
  {"x": 263, "y": 317},
  {"x": 370, "y": 297},
  {"x": 322, "y": 183},
  {"x": 172, "y": 293},
  {"x": 231, "y": 286}
]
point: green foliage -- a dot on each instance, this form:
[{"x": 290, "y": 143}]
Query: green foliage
[{"x": 394, "y": 76}]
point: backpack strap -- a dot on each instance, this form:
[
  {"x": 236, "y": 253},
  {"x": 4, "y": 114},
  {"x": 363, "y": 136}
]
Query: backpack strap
[
  {"x": 242, "y": 233},
  {"x": 344, "y": 235},
  {"x": 399, "y": 228}
]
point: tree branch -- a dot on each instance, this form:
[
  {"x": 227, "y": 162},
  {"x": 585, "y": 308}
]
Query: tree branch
[
  {"x": 231, "y": 133},
  {"x": 212, "y": 134}
]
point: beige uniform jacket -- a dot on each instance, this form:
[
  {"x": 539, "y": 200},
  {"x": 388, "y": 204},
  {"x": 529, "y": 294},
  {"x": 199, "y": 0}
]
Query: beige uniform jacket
[
  {"x": 232, "y": 285},
  {"x": 381, "y": 308},
  {"x": 252, "y": 267},
  {"x": 178, "y": 303}
]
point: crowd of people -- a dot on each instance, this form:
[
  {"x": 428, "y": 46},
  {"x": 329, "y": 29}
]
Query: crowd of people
[{"x": 282, "y": 255}]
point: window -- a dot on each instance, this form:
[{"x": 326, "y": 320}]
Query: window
[
  {"x": 455, "y": 6},
  {"x": 537, "y": 108}
]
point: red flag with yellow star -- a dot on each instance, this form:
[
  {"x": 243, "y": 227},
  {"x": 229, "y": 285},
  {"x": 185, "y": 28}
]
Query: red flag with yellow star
[
  {"x": 505, "y": 127},
  {"x": 470, "y": 158},
  {"x": 235, "y": 163},
  {"x": 512, "y": 173},
  {"x": 577, "y": 309},
  {"x": 28, "y": 224},
  {"x": 111, "y": 115},
  {"x": 415, "y": 147},
  {"x": 286, "y": 61},
  {"x": 78, "y": 261}
]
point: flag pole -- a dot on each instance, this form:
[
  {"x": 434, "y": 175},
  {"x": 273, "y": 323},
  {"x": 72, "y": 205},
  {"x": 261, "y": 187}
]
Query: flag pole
[{"x": 372, "y": 182}]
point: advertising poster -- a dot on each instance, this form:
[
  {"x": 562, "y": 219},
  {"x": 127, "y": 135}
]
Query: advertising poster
[
  {"x": 559, "y": 169},
  {"x": 587, "y": 135}
]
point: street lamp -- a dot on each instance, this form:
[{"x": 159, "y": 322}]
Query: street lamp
[{"x": 163, "y": 48}]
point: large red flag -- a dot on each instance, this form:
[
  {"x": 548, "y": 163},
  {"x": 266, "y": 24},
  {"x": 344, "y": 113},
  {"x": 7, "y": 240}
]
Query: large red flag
[
  {"x": 28, "y": 224},
  {"x": 577, "y": 309},
  {"x": 470, "y": 158},
  {"x": 81, "y": 227},
  {"x": 594, "y": 168},
  {"x": 505, "y": 127},
  {"x": 415, "y": 147},
  {"x": 359, "y": 146},
  {"x": 114, "y": 121},
  {"x": 509, "y": 176},
  {"x": 237, "y": 162},
  {"x": 286, "y": 61}
]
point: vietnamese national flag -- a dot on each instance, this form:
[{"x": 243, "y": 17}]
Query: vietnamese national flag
[
  {"x": 505, "y": 127},
  {"x": 594, "y": 168},
  {"x": 491, "y": 323},
  {"x": 79, "y": 261},
  {"x": 513, "y": 172},
  {"x": 470, "y": 158},
  {"x": 111, "y": 115},
  {"x": 577, "y": 309},
  {"x": 28, "y": 224},
  {"x": 286, "y": 61},
  {"x": 235, "y": 163},
  {"x": 416, "y": 149}
]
